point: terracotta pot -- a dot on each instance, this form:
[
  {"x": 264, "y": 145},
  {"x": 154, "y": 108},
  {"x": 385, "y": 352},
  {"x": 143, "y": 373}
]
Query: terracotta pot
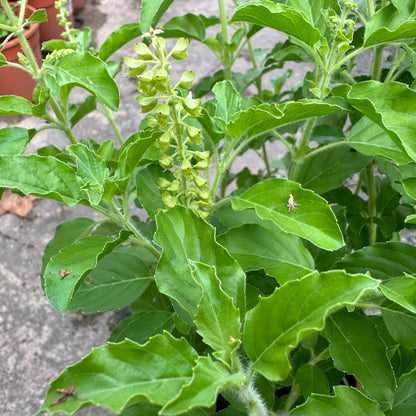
[
  {"x": 78, "y": 5},
  {"x": 15, "y": 81},
  {"x": 50, "y": 29}
]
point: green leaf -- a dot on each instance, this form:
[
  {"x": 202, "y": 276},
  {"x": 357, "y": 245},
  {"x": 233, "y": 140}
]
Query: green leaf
[
  {"x": 392, "y": 106},
  {"x": 189, "y": 26},
  {"x": 151, "y": 11},
  {"x": 89, "y": 72},
  {"x": 345, "y": 398},
  {"x": 228, "y": 101},
  {"x": 313, "y": 219},
  {"x": 280, "y": 17},
  {"x": 130, "y": 155},
  {"x": 313, "y": 10},
  {"x": 12, "y": 105},
  {"x": 114, "y": 374},
  {"x": 388, "y": 25},
  {"x": 409, "y": 185},
  {"x": 208, "y": 379},
  {"x": 65, "y": 234},
  {"x": 118, "y": 38},
  {"x": 329, "y": 168},
  {"x": 370, "y": 139},
  {"x": 357, "y": 349},
  {"x": 405, "y": 396},
  {"x": 79, "y": 111},
  {"x": 67, "y": 269},
  {"x": 117, "y": 280},
  {"x": 312, "y": 379},
  {"x": 148, "y": 190},
  {"x": 46, "y": 177},
  {"x": 139, "y": 327},
  {"x": 382, "y": 260},
  {"x": 278, "y": 323},
  {"x": 264, "y": 117},
  {"x": 217, "y": 319},
  {"x": 401, "y": 290},
  {"x": 92, "y": 169},
  {"x": 184, "y": 236},
  {"x": 38, "y": 16},
  {"x": 13, "y": 140},
  {"x": 256, "y": 247},
  {"x": 400, "y": 323}
]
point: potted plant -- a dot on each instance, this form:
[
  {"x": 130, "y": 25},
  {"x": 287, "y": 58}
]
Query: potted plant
[
  {"x": 14, "y": 77},
  {"x": 247, "y": 301},
  {"x": 51, "y": 29}
]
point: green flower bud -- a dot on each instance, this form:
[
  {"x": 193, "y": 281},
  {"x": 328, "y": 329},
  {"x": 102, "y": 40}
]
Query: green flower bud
[
  {"x": 151, "y": 122},
  {"x": 143, "y": 52},
  {"x": 163, "y": 183},
  {"x": 147, "y": 103},
  {"x": 146, "y": 83},
  {"x": 192, "y": 106},
  {"x": 162, "y": 111},
  {"x": 186, "y": 165},
  {"x": 200, "y": 182},
  {"x": 205, "y": 196},
  {"x": 186, "y": 81},
  {"x": 162, "y": 143},
  {"x": 136, "y": 67},
  {"x": 166, "y": 162},
  {"x": 169, "y": 200},
  {"x": 161, "y": 80},
  {"x": 174, "y": 187},
  {"x": 202, "y": 155},
  {"x": 179, "y": 50},
  {"x": 202, "y": 165}
]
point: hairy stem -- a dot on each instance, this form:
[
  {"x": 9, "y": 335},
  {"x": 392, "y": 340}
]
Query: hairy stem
[
  {"x": 224, "y": 28},
  {"x": 372, "y": 200}
]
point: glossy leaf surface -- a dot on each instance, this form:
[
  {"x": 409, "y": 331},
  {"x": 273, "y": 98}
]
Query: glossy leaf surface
[
  {"x": 117, "y": 280},
  {"x": 67, "y": 269},
  {"x": 280, "y": 17},
  {"x": 89, "y": 72},
  {"x": 41, "y": 176},
  {"x": 313, "y": 219},
  {"x": 184, "y": 236},
  {"x": 296, "y": 309},
  {"x": 345, "y": 398},
  {"x": 357, "y": 349},
  {"x": 217, "y": 319},
  {"x": 280, "y": 254},
  {"x": 208, "y": 379},
  {"x": 392, "y": 106},
  {"x": 114, "y": 374}
]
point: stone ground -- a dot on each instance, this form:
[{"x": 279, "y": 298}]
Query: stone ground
[{"x": 36, "y": 342}]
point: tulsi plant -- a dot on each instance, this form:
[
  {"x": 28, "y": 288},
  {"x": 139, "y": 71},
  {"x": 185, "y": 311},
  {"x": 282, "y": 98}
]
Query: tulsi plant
[{"x": 282, "y": 290}]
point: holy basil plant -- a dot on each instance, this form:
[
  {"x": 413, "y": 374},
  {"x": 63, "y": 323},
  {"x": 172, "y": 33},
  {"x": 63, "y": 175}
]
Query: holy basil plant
[{"x": 252, "y": 291}]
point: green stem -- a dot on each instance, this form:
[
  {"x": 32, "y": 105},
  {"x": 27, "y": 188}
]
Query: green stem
[
  {"x": 251, "y": 398},
  {"x": 372, "y": 206},
  {"x": 266, "y": 160},
  {"x": 370, "y": 7},
  {"x": 292, "y": 397},
  {"x": 323, "y": 355},
  {"x": 119, "y": 218},
  {"x": 224, "y": 28},
  {"x": 253, "y": 61},
  {"x": 377, "y": 63},
  {"x": 109, "y": 114},
  {"x": 302, "y": 149},
  {"x": 397, "y": 61}
]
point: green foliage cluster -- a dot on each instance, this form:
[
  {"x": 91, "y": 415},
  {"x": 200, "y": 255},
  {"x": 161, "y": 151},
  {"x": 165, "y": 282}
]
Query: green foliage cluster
[{"x": 250, "y": 299}]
